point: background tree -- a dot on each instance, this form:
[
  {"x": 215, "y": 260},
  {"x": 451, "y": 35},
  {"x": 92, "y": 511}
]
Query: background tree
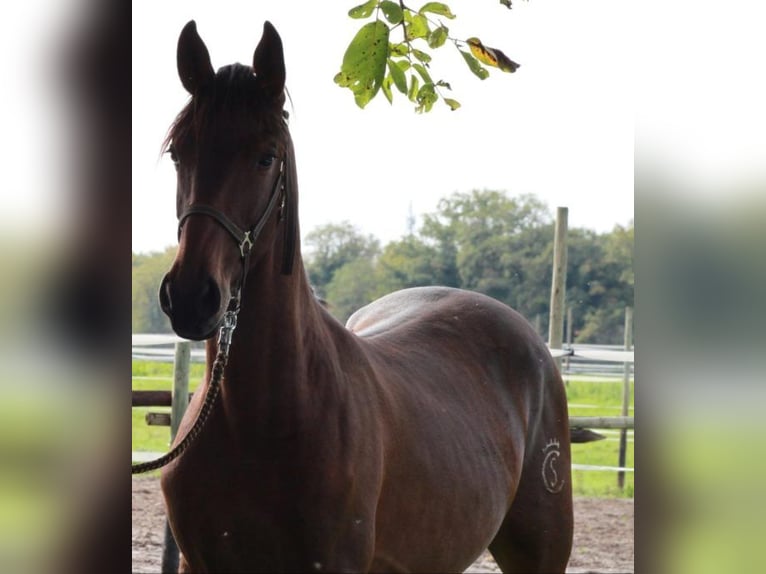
[
  {"x": 609, "y": 285},
  {"x": 412, "y": 262},
  {"x": 492, "y": 239},
  {"x": 483, "y": 240},
  {"x": 331, "y": 246},
  {"x": 352, "y": 286},
  {"x": 148, "y": 271}
]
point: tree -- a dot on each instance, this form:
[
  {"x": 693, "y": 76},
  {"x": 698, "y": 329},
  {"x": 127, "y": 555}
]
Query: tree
[
  {"x": 488, "y": 242},
  {"x": 332, "y": 246},
  {"x": 375, "y": 61},
  {"x": 352, "y": 286},
  {"x": 492, "y": 240},
  {"x": 411, "y": 262},
  {"x": 619, "y": 250},
  {"x": 148, "y": 271},
  {"x": 600, "y": 282}
]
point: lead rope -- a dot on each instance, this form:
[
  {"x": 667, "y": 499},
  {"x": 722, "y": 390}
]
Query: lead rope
[{"x": 213, "y": 390}]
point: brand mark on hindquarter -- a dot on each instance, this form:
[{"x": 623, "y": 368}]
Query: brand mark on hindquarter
[{"x": 552, "y": 480}]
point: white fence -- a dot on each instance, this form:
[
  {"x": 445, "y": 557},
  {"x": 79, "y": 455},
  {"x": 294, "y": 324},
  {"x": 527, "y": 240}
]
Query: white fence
[{"x": 588, "y": 359}]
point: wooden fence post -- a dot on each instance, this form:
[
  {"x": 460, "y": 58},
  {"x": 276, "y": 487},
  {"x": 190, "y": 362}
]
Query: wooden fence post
[
  {"x": 180, "y": 401},
  {"x": 181, "y": 368},
  {"x": 558, "y": 284},
  {"x": 569, "y": 337},
  {"x": 625, "y": 397}
]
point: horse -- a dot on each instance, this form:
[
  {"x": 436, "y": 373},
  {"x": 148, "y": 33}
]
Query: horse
[{"x": 431, "y": 426}]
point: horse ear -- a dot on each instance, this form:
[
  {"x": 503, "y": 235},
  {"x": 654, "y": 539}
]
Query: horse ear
[
  {"x": 269, "y": 62},
  {"x": 194, "y": 67}
]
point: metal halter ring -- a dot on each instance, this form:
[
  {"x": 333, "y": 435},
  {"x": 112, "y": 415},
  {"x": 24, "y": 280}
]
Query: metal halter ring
[{"x": 246, "y": 242}]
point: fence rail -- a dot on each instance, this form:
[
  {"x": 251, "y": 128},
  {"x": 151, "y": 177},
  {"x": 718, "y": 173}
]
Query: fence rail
[
  {"x": 144, "y": 346},
  {"x": 170, "y": 348},
  {"x": 163, "y": 419}
]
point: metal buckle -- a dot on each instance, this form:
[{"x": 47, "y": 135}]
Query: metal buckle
[
  {"x": 247, "y": 241},
  {"x": 227, "y": 329},
  {"x": 281, "y": 212}
]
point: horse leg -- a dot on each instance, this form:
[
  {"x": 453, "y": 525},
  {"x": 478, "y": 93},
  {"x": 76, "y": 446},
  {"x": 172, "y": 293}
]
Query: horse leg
[
  {"x": 534, "y": 538},
  {"x": 536, "y": 533}
]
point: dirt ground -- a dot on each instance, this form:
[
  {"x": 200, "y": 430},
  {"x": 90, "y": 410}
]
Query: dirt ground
[{"x": 603, "y": 537}]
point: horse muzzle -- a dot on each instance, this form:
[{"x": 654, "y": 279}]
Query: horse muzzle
[{"x": 194, "y": 307}]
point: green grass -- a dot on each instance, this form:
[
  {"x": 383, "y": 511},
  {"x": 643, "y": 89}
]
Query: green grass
[
  {"x": 594, "y": 399},
  {"x": 585, "y": 399},
  {"x": 162, "y": 374},
  {"x": 155, "y": 376}
]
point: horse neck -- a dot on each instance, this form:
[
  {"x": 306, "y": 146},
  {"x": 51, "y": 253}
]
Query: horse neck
[{"x": 266, "y": 389}]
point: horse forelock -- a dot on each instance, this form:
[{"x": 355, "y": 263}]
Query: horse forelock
[{"x": 234, "y": 105}]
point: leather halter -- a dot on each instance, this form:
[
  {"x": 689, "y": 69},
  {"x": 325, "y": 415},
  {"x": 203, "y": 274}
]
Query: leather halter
[{"x": 245, "y": 239}]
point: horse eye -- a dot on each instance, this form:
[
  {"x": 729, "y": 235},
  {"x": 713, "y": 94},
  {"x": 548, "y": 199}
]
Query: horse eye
[
  {"x": 173, "y": 155},
  {"x": 266, "y": 161}
]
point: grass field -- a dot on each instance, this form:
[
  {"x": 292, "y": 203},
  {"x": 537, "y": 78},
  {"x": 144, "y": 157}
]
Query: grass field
[
  {"x": 586, "y": 398},
  {"x": 155, "y": 376},
  {"x": 594, "y": 399}
]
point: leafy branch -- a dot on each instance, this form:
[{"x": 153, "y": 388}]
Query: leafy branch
[{"x": 373, "y": 62}]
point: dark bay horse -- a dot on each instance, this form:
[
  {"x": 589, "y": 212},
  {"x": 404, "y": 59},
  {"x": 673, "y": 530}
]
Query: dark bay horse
[{"x": 430, "y": 427}]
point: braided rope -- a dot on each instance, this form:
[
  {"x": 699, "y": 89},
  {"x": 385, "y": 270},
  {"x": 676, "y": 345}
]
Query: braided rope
[{"x": 213, "y": 391}]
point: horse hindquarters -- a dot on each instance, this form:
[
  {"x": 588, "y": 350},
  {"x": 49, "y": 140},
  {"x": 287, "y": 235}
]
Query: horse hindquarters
[{"x": 536, "y": 533}]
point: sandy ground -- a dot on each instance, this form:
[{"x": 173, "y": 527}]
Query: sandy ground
[{"x": 603, "y": 537}]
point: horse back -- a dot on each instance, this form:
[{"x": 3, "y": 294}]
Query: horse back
[{"x": 431, "y": 329}]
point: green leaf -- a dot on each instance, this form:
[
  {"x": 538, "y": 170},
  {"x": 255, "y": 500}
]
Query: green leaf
[
  {"x": 444, "y": 84},
  {"x": 416, "y": 26},
  {"x": 392, "y": 11},
  {"x": 481, "y": 72},
  {"x": 426, "y": 98},
  {"x": 422, "y": 56},
  {"x": 363, "y": 10},
  {"x": 438, "y": 37},
  {"x": 398, "y": 49},
  {"x": 423, "y": 73},
  {"x": 413, "y": 92},
  {"x": 506, "y": 3},
  {"x": 453, "y": 104},
  {"x": 364, "y": 63},
  {"x": 386, "y": 87},
  {"x": 400, "y": 81},
  {"x": 437, "y": 8}
]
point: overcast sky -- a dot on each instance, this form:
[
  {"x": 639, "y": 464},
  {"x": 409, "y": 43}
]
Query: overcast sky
[{"x": 560, "y": 128}]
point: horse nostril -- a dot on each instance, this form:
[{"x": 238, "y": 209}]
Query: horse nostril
[
  {"x": 192, "y": 305},
  {"x": 210, "y": 298},
  {"x": 164, "y": 296}
]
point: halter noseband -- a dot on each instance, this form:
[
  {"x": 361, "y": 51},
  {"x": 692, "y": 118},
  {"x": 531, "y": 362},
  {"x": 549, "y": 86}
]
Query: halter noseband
[{"x": 245, "y": 239}]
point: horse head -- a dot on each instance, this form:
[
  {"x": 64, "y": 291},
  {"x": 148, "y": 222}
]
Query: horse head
[{"x": 230, "y": 146}]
